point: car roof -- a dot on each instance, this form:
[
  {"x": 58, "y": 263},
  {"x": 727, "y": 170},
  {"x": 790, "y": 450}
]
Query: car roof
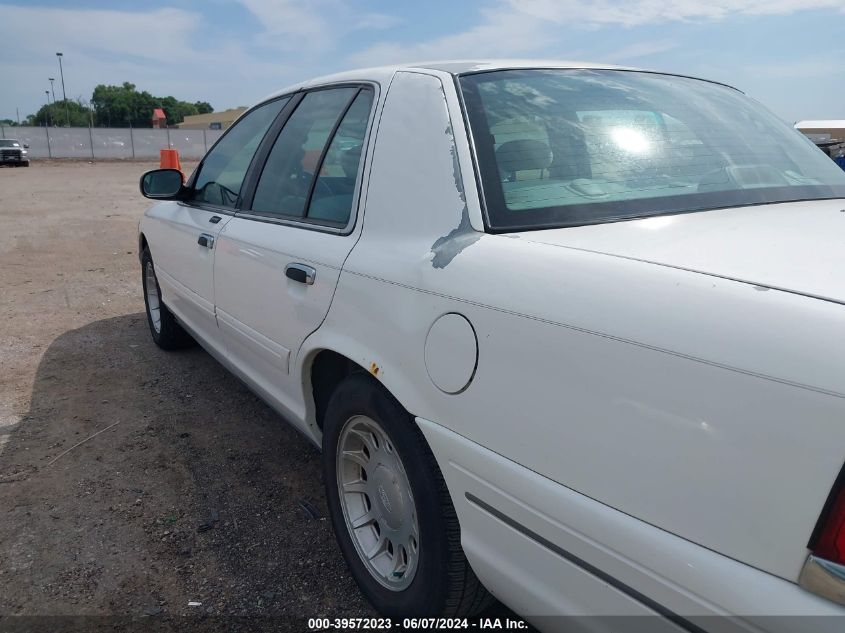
[
  {"x": 383, "y": 74},
  {"x": 461, "y": 66}
]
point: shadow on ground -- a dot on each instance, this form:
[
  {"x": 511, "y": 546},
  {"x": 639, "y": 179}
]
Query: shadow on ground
[{"x": 195, "y": 494}]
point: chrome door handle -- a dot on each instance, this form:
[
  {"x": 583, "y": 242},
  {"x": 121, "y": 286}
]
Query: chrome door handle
[
  {"x": 301, "y": 273},
  {"x": 206, "y": 240}
]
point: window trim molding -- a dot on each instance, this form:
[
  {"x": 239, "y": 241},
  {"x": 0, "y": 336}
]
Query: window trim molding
[
  {"x": 259, "y": 159},
  {"x": 322, "y": 159},
  {"x": 206, "y": 206},
  {"x": 245, "y": 211}
]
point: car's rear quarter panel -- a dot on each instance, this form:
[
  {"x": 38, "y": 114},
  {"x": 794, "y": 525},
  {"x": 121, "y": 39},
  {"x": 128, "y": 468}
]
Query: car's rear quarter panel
[{"x": 696, "y": 405}]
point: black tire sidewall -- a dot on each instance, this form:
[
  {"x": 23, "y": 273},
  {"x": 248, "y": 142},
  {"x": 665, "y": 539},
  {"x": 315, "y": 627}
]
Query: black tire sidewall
[
  {"x": 146, "y": 259},
  {"x": 426, "y": 595},
  {"x": 171, "y": 335}
]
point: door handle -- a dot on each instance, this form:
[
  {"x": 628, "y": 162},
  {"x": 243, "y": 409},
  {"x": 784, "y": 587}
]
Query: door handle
[
  {"x": 301, "y": 273},
  {"x": 206, "y": 240}
]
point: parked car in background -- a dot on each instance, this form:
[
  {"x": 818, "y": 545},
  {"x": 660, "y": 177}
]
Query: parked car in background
[
  {"x": 13, "y": 153},
  {"x": 568, "y": 335}
]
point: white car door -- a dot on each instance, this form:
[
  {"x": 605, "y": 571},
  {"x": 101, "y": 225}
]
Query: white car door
[
  {"x": 279, "y": 259},
  {"x": 183, "y": 235}
]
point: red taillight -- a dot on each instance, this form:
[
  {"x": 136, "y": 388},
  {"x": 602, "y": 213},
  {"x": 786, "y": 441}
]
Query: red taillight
[{"x": 830, "y": 540}]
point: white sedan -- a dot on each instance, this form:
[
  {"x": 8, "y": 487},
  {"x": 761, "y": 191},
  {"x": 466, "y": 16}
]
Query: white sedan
[{"x": 568, "y": 335}]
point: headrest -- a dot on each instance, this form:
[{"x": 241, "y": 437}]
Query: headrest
[
  {"x": 522, "y": 155},
  {"x": 349, "y": 160}
]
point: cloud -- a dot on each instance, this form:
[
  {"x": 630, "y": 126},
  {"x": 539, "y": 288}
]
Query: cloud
[
  {"x": 531, "y": 27},
  {"x": 190, "y": 54},
  {"x": 376, "y": 21},
  {"x": 641, "y": 12},
  {"x": 158, "y": 50},
  {"x": 501, "y": 30},
  {"x": 637, "y": 50},
  {"x": 316, "y": 25},
  {"x": 173, "y": 50},
  {"x": 291, "y": 24},
  {"x": 816, "y": 68},
  {"x": 154, "y": 35}
]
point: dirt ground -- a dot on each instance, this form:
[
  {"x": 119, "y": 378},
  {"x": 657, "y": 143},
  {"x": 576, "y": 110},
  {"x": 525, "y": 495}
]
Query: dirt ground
[{"x": 194, "y": 491}]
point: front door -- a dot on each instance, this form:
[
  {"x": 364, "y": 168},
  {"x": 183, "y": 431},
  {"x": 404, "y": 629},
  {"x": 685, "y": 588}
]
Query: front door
[
  {"x": 278, "y": 260},
  {"x": 184, "y": 266},
  {"x": 186, "y": 233}
]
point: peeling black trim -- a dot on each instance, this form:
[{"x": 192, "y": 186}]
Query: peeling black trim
[{"x": 595, "y": 571}]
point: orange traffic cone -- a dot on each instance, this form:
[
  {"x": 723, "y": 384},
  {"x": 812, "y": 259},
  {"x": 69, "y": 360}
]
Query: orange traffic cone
[{"x": 170, "y": 160}]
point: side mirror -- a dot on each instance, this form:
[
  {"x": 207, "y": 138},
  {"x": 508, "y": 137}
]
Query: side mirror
[
  {"x": 25, "y": 146},
  {"x": 163, "y": 184}
]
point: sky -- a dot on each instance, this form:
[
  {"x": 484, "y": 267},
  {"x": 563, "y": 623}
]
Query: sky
[{"x": 788, "y": 54}]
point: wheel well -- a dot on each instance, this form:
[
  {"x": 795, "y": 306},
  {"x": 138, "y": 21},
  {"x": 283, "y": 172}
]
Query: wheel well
[
  {"x": 142, "y": 244},
  {"x": 327, "y": 371}
]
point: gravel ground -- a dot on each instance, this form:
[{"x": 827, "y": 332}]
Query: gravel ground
[{"x": 194, "y": 490}]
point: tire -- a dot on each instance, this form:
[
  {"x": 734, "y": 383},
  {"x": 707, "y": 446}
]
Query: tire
[
  {"x": 432, "y": 580},
  {"x": 165, "y": 329}
]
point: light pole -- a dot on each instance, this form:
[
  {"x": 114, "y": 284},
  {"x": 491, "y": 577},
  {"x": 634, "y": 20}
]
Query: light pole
[
  {"x": 47, "y": 118},
  {"x": 51, "y": 80},
  {"x": 64, "y": 94}
]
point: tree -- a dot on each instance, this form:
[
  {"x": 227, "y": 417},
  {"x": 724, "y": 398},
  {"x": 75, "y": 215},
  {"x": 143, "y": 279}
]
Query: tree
[
  {"x": 123, "y": 105},
  {"x": 176, "y": 110},
  {"x": 57, "y": 114}
]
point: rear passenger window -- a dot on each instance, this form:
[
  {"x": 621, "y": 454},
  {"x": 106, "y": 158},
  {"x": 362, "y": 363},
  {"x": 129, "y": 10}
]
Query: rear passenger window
[
  {"x": 312, "y": 168},
  {"x": 224, "y": 167},
  {"x": 335, "y": 188}
]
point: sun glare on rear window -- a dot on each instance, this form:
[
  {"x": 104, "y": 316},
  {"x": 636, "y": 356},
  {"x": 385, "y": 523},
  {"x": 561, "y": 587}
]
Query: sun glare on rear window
[{"x": 572, "y": 147}]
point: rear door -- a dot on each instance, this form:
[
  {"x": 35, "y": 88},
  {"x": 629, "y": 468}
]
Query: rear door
[
  {"x": 279, "y": 259},
  {"x": 184, "y": 234}
]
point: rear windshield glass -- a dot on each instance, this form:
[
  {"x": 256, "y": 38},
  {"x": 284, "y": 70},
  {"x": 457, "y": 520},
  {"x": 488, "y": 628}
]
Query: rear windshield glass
[{"x": 571, "y": 147}]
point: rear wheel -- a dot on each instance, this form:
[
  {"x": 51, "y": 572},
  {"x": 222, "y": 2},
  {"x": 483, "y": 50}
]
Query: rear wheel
[
  {"x": 165, "y": 329},
  {"x": 390, "y": 509}
]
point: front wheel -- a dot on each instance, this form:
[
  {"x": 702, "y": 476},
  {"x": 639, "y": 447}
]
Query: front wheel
[
  {"x": 165, "y": 329},
  {"x": 390, "y": 509}
]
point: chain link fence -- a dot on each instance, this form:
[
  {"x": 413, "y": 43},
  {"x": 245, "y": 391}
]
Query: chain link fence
[{"x": 83, "y": 142}]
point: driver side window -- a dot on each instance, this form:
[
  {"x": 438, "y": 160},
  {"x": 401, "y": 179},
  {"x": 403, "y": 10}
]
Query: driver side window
[{"x": 224, "y": 167}]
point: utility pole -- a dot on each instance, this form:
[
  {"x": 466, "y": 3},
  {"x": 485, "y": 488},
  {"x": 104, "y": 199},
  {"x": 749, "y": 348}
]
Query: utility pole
[{"x": 64, "y": 94}]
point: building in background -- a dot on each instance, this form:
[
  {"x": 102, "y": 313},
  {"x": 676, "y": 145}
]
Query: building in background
[
  {"x": 829, "y": 130},
  {"x": 212, "y": 120},
  {"x": 159, "y": 119},
  {"x": 829, "y": 136}
]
